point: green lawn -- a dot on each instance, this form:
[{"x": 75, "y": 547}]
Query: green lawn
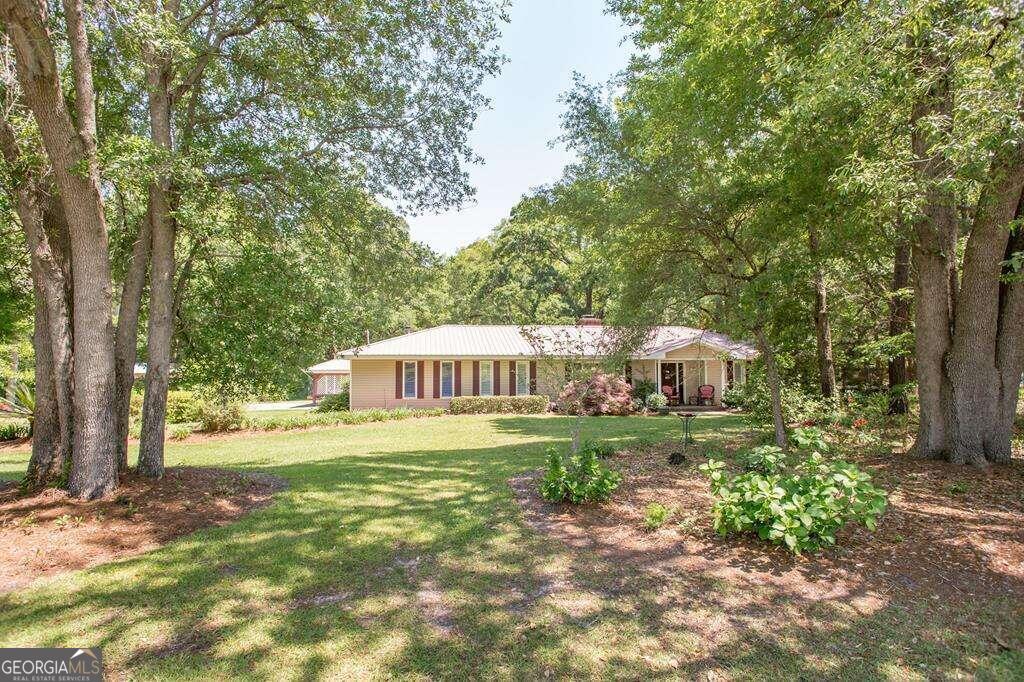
[{"x": 398, "y": 552}]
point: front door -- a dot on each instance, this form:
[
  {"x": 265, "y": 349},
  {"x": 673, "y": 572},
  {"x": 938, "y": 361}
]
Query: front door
[{"x": 673, "y": 381}]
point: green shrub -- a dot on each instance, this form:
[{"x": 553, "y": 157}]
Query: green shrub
[
  {"x": 582, "y": 479},
  {"x": 182, "y": 407},
  {"x": 657, "y": 400},
  {"x": 499, "y": 404},
  {"x": 135, "y": 406},
  {"x": 657, "y": 515},
  {"x": 216, "y": 417},
  {"x": 310, "y": 419},
  {"x": 179, "y": 431},
  {"x": 808, "y": 438},
  {"x": 600, "y": 450},
  {"x": 765, "y": 459},
  {"x": 643, "y": 388},
  {"x": 802, "y": 509},
  {"x": 337, "y": 402},
  {"x": 14, "y": 429}
]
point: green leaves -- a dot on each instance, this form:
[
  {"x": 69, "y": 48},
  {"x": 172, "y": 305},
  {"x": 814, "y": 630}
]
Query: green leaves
[
  {"x": 802, "y": 509},
  {"x": 583, "y": 479}
]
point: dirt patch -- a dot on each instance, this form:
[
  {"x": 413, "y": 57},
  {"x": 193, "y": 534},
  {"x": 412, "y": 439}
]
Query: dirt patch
[
  {"x": 49, "y": 533},
  {"x": 950, "y": 533}
]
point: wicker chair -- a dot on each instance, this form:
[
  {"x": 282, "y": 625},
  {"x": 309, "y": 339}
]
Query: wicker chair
[{"x": 705, "y": 395}]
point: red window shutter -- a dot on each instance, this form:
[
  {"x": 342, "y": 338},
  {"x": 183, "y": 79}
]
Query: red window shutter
[
  {"x": 419, "y": 379},
  {"x": 398, "y": 379},
  {"x": 457, "y": 380},
  {"x": 437, "y": 378},
  {"x": 533, "y": 377},
  {"x": 496, "y": 378},
  {"x": 511, "y": 377},
  {"x": 476, "y": 377}
]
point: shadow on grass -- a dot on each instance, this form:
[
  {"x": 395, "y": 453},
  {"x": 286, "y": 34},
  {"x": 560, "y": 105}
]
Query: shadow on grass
[{"x": 415, "y": 562}]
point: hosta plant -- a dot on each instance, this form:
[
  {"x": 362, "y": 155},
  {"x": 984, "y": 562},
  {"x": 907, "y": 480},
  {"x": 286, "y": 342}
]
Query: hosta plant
[
  {"x": 802, "y": 508},
  {"x": 766, "y": 459}
]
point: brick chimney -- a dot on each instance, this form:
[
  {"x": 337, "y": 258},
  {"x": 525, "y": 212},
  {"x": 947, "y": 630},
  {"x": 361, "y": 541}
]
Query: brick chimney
[{"x": 590, "y": 321}]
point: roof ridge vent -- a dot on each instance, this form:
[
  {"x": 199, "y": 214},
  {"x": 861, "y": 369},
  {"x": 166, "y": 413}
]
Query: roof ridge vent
[{"x": 590, "y": 321}]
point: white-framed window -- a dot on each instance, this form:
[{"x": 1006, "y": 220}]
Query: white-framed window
[
  {"x": 739, "y": 369},
  {"x": 447, "y": 379},
  {"x": 487, "y": 378},
  {"x": 409, "y": 379},
  {"x": 522, "y": 378}
]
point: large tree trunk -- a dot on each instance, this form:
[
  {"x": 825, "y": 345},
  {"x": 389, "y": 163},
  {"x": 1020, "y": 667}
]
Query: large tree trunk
[
  {"x": 1009, "y": 352},
  {"x": 47, "y": 461},
  {"x": 41, "y": 218},
  {"x": 71, "y": 153},
  {"x": 972, "y": 409},
  {"x": 774, "y": 388},
  {"x": 934, "y": 254},
  {"x": 822, "y": 325},
  {"x": 161, "y": 307},
  {"x": 899, "y": 323},
  {"x": 127, "y": 338}
]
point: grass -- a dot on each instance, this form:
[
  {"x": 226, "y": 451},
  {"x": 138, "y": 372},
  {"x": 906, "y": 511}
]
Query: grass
[{"x": 397, "y": 551}]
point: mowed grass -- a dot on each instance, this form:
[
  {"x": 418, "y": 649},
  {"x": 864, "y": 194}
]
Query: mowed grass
[{"x": 398, "y": 552}]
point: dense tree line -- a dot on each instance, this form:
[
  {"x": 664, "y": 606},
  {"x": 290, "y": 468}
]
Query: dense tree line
[
  {"x": 785, "y": 171},
  {"x": 169, "y": 156}
]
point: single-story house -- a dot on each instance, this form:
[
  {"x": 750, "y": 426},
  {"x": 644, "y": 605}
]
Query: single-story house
[
  {"x": 427, "y": 368},
  {"x": 328, "y": 378}
]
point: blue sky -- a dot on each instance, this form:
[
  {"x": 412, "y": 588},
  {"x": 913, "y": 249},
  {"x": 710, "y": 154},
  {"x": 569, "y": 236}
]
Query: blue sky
[{"x": 545, "y": 42}]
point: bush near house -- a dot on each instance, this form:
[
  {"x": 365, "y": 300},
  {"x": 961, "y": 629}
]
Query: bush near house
[
  {"x": 499, "y": 404},
  {"x": 217, "y": 417},
  {"x": 336, "y": 402},
  {"x": 182, "y": 407},
  {"x": 598, "y": 394}
]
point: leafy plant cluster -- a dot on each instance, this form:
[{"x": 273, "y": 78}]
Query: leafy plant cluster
[
  {"x": 335, "y": 402},
  {"x": 600, "y": 393},
  {"x": 499, "y": 404},
  {"x": 801, "y": 507},
  {"x": 657, "y": 400},
  {"x": 657, "y": 515},
  {"x": 14, "y": 429},
  {"x": 217, "y": 417},
  {"x": 580, "y": 478},
  {"x": 183, "y": 407},
  {"x": 851, "y": 409},
  {"x": 764, "y": 459}
]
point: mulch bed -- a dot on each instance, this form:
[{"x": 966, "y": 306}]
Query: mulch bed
[
  {"x": 48, "y": 533},
  {"x": 950, "y": 533}
]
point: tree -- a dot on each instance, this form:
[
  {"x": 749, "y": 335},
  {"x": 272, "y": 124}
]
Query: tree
[
  {"x": 213, "y": 108},
  {"x": 69, "y": 138}
]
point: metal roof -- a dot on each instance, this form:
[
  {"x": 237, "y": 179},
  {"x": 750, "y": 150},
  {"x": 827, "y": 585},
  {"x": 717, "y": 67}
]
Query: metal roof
[
  {"x": 498, "y": 341},
  {"x": 335, "y": 365}
]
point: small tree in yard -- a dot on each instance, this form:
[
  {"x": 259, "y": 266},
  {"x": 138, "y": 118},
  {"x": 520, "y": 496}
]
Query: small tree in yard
[{"x": 587, "y": 361}]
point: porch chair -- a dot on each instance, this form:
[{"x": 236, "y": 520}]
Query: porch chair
[
  {"x": 705, "y": 395},
  {"x": 670, "y": 393}
]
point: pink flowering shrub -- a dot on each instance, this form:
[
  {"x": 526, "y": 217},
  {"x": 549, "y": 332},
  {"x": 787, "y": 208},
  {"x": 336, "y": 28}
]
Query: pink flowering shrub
[{"x": 599, "y": 394}]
